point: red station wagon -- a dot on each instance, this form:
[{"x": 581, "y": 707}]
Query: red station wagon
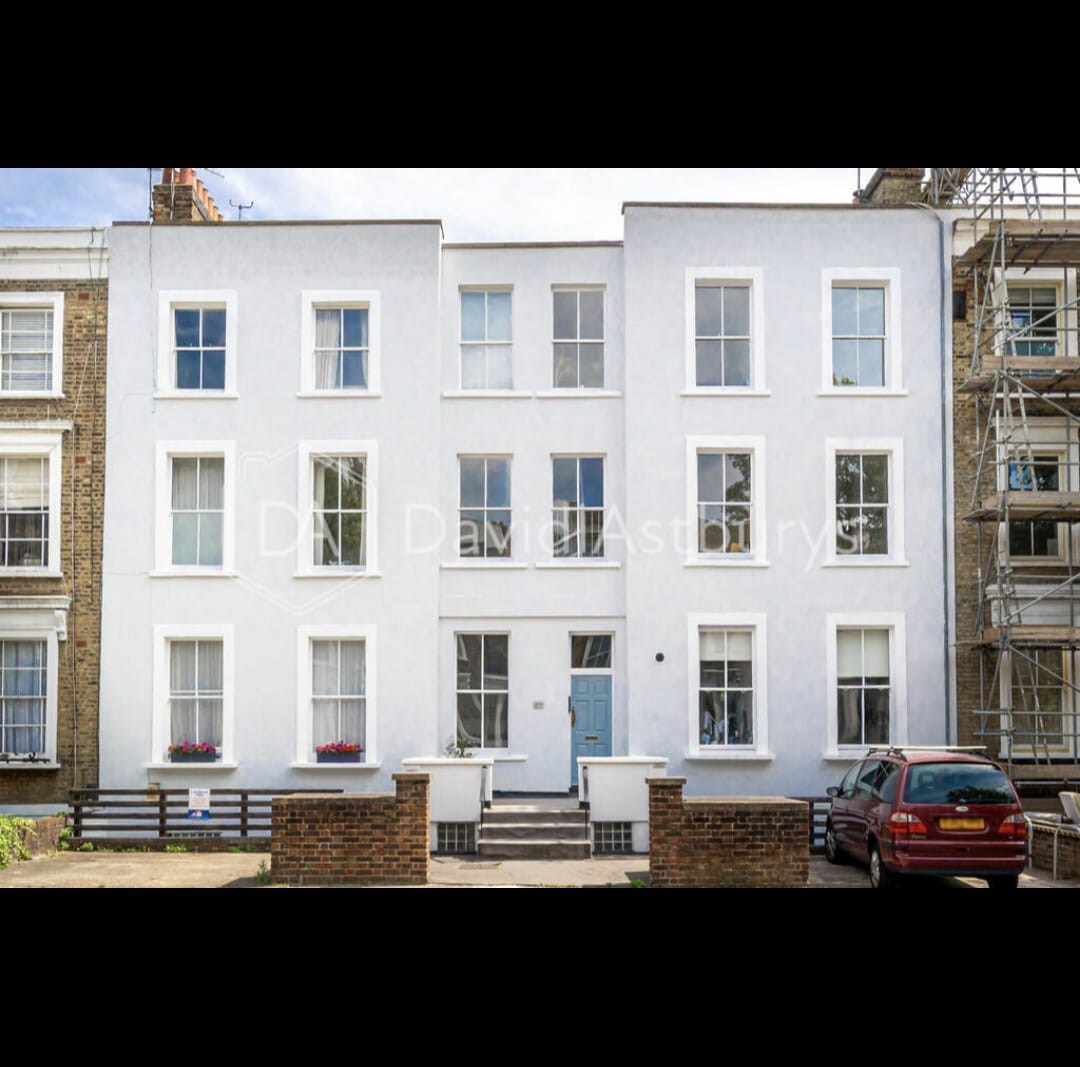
[{"x": 928, "y": 811}]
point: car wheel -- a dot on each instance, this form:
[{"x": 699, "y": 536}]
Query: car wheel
[
  {"x": 880, "y": 876},
  {"x": 832, "y": 850},
  {"x": 1004, "y": 881}
]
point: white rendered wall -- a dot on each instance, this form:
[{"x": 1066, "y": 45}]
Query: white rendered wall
[
  {"x": 269, "y": 266},
  {"x": 791, "y": 247}
]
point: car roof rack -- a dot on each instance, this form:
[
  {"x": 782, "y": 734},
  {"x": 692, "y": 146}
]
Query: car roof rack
[{"x": 900, "y": 750}]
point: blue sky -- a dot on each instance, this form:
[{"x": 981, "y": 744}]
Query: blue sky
[{"x": 474, "y": 204}]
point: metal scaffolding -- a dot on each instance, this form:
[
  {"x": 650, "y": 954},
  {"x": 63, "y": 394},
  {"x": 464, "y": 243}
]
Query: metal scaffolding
[{"x": 1021, "y": 260}]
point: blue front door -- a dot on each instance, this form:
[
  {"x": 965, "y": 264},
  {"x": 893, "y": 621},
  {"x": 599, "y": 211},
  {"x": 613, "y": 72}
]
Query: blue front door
[{"x": 590, "y": 730}]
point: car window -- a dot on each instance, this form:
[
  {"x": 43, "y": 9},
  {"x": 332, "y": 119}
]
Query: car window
[
  {"x": 847, "y": 786},
  {"x": 885, "y": 782},
  {"x": 957, "y": 783},
  {"x": 864, "y": 784}
]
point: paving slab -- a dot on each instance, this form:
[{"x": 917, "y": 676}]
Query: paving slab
[
  {"x": 143, "y": 870},
  {"x": 213, "y": 870}
]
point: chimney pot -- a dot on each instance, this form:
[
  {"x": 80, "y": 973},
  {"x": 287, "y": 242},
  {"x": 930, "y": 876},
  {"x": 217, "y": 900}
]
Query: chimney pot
[{"x": 187, "y": 176}]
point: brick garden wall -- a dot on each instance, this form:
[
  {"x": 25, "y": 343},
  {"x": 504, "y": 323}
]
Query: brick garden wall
[
  {"x": 81, "y": 515},
  {"x": 353, "y": 838},
  {"x": 1068, "y": 851},
  {"x": 42, "y": 837},
  {"x": 727, "y": 841}
]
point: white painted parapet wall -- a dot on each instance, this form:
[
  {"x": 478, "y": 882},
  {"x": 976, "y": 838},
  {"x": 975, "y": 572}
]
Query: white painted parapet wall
[
  {"x": 460, "y": 788},
  {"x": 614, "y": 789}
]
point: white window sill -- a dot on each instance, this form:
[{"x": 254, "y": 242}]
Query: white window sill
[
  {"x": 197, "y": 394},
  {"x": 336, "y": 572},
  {"x": 704, "y": 562},
  {"x": 706, "y": 755},
  {"x": 579, "y": 394},
  {"x": 498, "y": 755},
  {"x": 37, "y": 765},
  {"x": 578, "y": 565},
  {"x": 197, "y": 768},
  {"x": 856, "y": 563},
  {"x": 856, "y": 391},
  {"x": 298, "y": 765},
  {"x": 198, "y": 572},
  {"x": 30, "y": 572},
  {"x": 483, "y": 565},
  {"x": 30, "y": 394},
  {"x": 487, "y": 394},
  {"x": 338, "y": 394},
  {"x": 720, "y": 391}
]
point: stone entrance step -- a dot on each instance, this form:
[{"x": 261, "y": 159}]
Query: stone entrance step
[{"x": 534, "y": 831}]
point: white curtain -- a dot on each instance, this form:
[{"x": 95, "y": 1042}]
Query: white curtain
[
  {"x": 712, "y": 646},
  {"x": 185, "y": 480},
  {"x": 211, "y": 666},
  {"x": 327, "y": 349},
  {"x": 26, "y": 483},
  {"x": 24, "y": 690},
  {"x": 324, "y": 668},
  {"x": 876, "y": 645},
  {"x": 212, "y": 497},
  {"x": 849, "y": 654},
  {"x": 740, "y": 646},
  {"x": 352, "y": 668},
  {"x": 352, "y": 721},
  {"x": 212, "y": 483},
  {"x": 324, "y": 723}
]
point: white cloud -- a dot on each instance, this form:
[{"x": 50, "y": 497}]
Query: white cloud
[
  {"x": 478, "y": 204},
  {"x": 515, "y": 204}
]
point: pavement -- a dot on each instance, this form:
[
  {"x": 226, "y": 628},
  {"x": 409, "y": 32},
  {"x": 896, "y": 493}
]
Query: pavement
[{"x": 217, "y": 870}]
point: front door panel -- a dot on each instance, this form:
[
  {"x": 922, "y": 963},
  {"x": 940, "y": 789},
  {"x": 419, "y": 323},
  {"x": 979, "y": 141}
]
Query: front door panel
[{"x": 590, "y": 732}]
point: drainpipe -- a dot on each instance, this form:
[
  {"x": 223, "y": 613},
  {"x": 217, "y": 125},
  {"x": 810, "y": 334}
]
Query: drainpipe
[{"x": 946, "y": 479}]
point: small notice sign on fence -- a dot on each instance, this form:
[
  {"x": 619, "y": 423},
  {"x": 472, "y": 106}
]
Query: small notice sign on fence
[{"x": 198, "y": 804}]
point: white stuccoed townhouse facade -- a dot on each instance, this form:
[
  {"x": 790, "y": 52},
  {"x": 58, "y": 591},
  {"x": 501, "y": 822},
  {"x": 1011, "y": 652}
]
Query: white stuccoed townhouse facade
[{"x": 272, "y": 383}]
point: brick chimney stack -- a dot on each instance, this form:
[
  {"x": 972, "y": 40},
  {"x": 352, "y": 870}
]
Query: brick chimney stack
[
  {"x": 181, "y": 197},
  {"x": 894, "y": 185}
]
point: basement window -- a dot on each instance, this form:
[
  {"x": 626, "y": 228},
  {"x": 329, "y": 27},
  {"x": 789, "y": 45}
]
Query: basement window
[
  {"x": 456, "y": 838},
  {"x": 611, "y": 837}
]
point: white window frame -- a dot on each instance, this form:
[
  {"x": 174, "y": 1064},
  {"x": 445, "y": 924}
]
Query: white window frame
[
  {"x": 894, "y": 622},
  {"x": 307, "y": 451},
  {"x": 170, "y": 300},
  {"x": 51, "y": 636},
  {"x": 40, "y": 444},
  {"x": 756, "y": 623},
  {"x": 161, "y": 727},
  {"x": 893, "y": 448},
  {"x": 486, "y": 390},
  {"x": 482, "y": 750},
  {"x": 592, "y": 287},
  {"x": 51, "y": 301},
  {"x": 166, "y": 452},
  {"x": 1045, "y": 435},
  {"x": 754, "y": 277},
  {"x": 757, "y": 556},
  {"x": 887, "y": 278},
  {"x": 1042, "y": 278},
  {"x": 312, "y": 300},
  {"x": 1068, "y": 703},
  {"x": 579, "y": 559},
  {"x": 305, "y": 635},
  {"x": 485, "y": 561}
]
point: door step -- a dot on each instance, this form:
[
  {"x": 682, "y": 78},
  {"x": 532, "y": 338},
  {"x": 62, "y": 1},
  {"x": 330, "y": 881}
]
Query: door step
[
  {"x": 534, "y": 832},
  {"x": 542, "y": 849}
]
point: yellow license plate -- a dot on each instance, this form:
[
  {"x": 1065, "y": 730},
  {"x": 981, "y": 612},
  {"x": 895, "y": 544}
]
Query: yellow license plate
[{"x": 962, "y": 824}]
